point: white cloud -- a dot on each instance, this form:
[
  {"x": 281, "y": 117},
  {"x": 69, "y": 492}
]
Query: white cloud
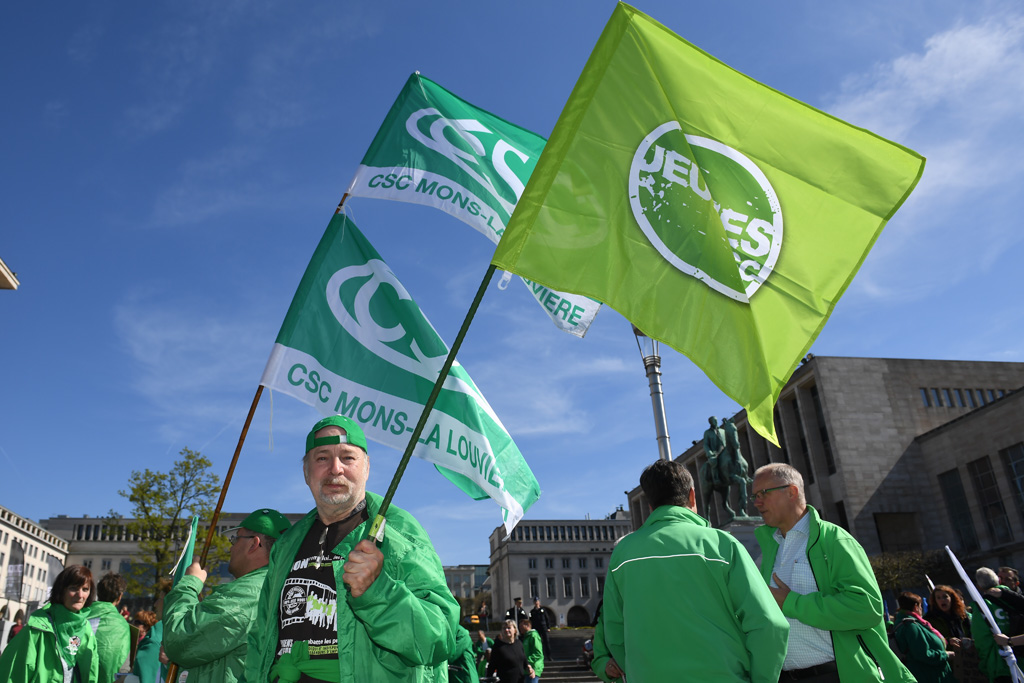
[{"x": 959, "y": 102}]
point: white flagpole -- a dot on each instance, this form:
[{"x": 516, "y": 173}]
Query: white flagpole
[{"x": 1007, "y": 652}]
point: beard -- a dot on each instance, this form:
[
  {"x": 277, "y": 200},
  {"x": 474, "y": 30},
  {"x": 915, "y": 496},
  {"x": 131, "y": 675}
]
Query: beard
[{"x": 343, "y": 497}]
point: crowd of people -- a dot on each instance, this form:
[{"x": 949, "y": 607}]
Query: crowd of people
[{"x": 320, "y": 601}]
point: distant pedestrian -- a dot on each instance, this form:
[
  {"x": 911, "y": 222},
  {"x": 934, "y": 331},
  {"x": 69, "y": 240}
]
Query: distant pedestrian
[
  {"x": 539, "y": 619},
  {"x": 533, "y": 649},
  {"x": 516, "y": 612},
  {"x": 508, "y": 660}
]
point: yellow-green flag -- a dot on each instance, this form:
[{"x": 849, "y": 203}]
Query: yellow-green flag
[{"x": 720, "y": 216}]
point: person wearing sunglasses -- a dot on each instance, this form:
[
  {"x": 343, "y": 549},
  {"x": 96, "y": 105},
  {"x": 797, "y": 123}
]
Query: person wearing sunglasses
[
  {"x": 210, "y": 638},
  {"x": 822, "y": 580}
]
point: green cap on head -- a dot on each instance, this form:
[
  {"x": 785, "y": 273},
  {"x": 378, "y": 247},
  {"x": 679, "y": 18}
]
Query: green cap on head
[
  {"x": 353, "y": 433},
  {"x": 265, "y": 521}
]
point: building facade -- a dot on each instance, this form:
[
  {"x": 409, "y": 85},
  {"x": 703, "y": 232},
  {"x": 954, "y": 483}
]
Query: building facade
[
  {"x": 563, "y": 562},
  {"x": 905, "y": 454},
  {"x": 30, "y": 559},
  {"x": 466, "y": 580}
]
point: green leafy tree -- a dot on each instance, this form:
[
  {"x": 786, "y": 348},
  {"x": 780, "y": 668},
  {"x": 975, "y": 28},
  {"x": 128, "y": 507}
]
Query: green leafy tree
[{"x": 163, "y": 504}]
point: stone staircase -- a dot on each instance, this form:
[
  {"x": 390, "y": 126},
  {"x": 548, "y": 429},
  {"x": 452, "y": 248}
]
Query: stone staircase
[{"x": 566, "y": 647}]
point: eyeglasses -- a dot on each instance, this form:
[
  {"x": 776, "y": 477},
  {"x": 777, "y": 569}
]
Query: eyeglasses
[
  {"x": 235, "y": 537},
  {"x": 760, "y": 495}
]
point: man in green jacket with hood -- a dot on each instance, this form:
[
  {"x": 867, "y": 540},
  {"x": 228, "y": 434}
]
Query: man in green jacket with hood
[
  {"x": 335, "y": 607},
  {"x": 822, "y": 580},
  {"x": 210, "y": 638},
  {"x": 683, "y": 601}
]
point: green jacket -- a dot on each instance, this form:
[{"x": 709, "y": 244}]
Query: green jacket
[
  {"x": 113, "y": 639},
  {"x": 33, "y": 655},
  {"x": 463, "y": 661},
  {"x": 925, "y": 653},
  {"x": 990, "y": 661},
  {"x": 683, "y": 601},
  {"x": 401, "y": 629},
  {"x": 534, "y": 649},
  {"x": 147, "y": 658},
  {"x": 210, "y": 638},
  {"x": 848, "y": 602}
]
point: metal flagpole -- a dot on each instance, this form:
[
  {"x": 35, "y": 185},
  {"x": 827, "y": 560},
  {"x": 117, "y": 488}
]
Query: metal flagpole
[{"x": 652, "y": 364}]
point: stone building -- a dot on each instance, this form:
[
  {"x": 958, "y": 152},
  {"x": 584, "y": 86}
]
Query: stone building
[
  {"x": 102, "y": 547},
  {"x": 466, "y": 580},
  {"x": 561, "y": 561},
  {"x": 905, "y": 454},
  {"x": 30, "y": 559}
]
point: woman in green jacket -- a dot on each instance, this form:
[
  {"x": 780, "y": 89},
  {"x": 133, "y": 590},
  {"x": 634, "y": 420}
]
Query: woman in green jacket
[
  {"x": 57, "y": 644},
  {"x": 924, "y": 648}
]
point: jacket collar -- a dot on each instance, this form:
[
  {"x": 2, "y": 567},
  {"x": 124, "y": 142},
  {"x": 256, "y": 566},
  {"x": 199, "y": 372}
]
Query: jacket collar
[{"x": 675, "y": 513}]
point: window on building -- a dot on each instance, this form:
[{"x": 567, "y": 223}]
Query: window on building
[
  {"x": 826, "y": 446},
  {"x": 549, "y": 584},
  {"x": 949, "y": 398},
  {"x": 2, "y": 556},
  {"x": 991, "y": 395},
  {"x": 1002, "y": 392},
  {"x": 960, "y": 398},
  {"x": 532, "y": 563},
  {"x": 566, "y": 563},
  {"x": 1013, "y": 462},
  {"x": 970, "y": 398},
  {"x": 583, "y": 563},
  {"x": 936, "y": 397},
  {"x": 533, "y": 532},
  {"x": 984, "y": 479},
  {"x": 598, "y": 562},
  {"x": 534, "y": 590},
  {"x": 924, "y": 398},
  {"x": 584, "y": 586},
  {"x": 87, "y": 563},
  {"x": 31, "y": 571},
  {"x": 600, "y": 585},
  {"x": 547, "y": 532},
  {"x": 124, "y": 567},
  {"x": 981, "y": 396},
  {"x": 566, "y": 586},
  {"x": 959, "y": 512},
  {"x": 590, "y": 531},
  {"x": 549, "y": 563}
]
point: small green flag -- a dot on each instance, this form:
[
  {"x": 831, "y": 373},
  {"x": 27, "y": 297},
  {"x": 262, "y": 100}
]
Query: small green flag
[
  {"x": 187, "y": 551},
  {"x": 355, "y": 343},
  {"x": 434, "y": 148},
  {"x": 718, "y": 215}
]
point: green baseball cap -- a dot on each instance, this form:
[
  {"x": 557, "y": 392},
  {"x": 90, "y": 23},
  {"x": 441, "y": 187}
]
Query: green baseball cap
[
  {"x": 353, "y": 433},
  {"x": 265, "y": 521}
]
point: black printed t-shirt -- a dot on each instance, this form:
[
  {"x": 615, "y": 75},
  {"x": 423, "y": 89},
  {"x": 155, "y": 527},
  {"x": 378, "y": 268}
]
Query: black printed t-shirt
[{"x": 309, "y": 600}]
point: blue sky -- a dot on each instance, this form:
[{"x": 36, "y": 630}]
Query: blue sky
[{"x": 168, "y": 169}]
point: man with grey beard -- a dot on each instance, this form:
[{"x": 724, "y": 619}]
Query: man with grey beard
[{"x": 335, "y": 607}]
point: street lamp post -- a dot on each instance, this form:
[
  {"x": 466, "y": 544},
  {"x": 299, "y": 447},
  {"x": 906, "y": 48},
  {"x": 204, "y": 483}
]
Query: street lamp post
[{"x": 649, "y": 351}]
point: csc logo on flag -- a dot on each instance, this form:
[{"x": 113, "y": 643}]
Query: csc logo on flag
[{"x": 692, "y": 195}]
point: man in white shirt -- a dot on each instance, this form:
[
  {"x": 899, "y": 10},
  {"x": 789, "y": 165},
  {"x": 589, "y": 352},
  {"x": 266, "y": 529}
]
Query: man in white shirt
[{"x": 823, "y": 582}]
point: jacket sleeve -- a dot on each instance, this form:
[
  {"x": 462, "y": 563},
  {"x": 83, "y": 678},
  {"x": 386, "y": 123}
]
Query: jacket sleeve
[
  {"x": 601, "y": 654},
  {"x": 409, "y": 610},
  {"x": 611, "y": 618},
  {"x": 263, "y": 637},
  {"x": 16, "y": 660},
  {"x": 765, "y": 628},
  {"x": 850, "y": 601},
  {"x": 197, "y": 633}
]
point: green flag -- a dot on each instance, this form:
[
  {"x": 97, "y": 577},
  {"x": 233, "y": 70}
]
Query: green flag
[
  {"x": 187, "y": 551},
  {"x": 718, "y": 215},
  {"x": 434, "y": 148},
  {"x": 355, "y": 343}
]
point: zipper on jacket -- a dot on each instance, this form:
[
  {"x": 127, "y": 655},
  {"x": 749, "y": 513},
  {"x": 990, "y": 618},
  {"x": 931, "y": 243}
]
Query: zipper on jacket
[{"x": 860, "y": 639}]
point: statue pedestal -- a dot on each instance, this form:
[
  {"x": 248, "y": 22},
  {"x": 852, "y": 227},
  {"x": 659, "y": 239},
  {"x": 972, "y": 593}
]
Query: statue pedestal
[{"x": 742, "y": 529}]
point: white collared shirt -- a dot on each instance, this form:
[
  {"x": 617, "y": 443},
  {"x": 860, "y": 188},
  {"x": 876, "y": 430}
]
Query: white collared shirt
[{"x": 808, "y": 646}]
